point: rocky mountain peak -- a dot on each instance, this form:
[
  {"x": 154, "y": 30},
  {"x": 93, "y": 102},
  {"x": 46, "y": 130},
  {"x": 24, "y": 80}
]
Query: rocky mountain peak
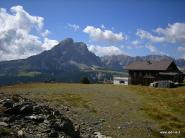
[
  {"x": 68, "y": 44},
  {"x": 67, "y": 41}
]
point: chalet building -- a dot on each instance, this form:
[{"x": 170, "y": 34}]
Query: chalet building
[{"x": 146, "y": 72}]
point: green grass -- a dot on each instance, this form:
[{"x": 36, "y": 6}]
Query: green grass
[
  {"x": 165, "y": 106},
  {"x": 5, "y": 131},
  {"x": 147, "y": 110},
  {"x": 28, "y": 74}
]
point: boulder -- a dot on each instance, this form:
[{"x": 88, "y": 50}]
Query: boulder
[
  {"x": 13, "y": 118},
  {"x": 20, "y": 133},
  {"x": 54, "y": 134},
  {"x": 37, "y": 109},
  {"x": 57, "y": 113},
  {"x": 15, "y": 98},
  {"x": 13, "y": 111},
  {"x": 8, "y": 103},
  {"x": 36, "y": 118},
  {"x": 26, "y": 109},
  {"x": 56, "y": 126},
  {"x": 3, "y": 124},
  {"x": 68, "y": 127}
]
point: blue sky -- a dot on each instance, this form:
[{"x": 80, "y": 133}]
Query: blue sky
[{"x": 134, "y": 27}]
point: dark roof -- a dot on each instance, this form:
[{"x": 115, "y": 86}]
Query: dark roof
[{"x": 150, "y": 65}]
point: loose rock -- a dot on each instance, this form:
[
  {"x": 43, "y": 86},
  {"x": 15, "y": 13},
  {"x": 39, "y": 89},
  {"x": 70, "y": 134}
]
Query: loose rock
[
  {"x": 25, "y": 118},
  {"x": 20, "y": 133},
  {"x": 3, "y": 124}
]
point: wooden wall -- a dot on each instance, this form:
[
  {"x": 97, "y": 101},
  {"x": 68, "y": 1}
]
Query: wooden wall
[{"x": 146, "y": 77}]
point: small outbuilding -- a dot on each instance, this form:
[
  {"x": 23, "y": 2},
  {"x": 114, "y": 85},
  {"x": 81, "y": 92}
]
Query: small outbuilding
[{"x": 121, "y": 80}]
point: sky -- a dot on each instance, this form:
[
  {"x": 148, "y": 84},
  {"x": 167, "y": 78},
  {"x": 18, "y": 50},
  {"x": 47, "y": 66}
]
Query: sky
[{"x": 108, "y": 27}]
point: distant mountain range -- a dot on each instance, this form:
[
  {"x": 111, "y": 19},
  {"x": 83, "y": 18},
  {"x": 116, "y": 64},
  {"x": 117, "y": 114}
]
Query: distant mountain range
[
  {"x": 68, "y": 62},
  {"x": 118, "y": 62}
]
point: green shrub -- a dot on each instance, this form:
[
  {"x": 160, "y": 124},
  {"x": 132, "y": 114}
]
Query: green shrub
[{"x": 84, "y": 80}]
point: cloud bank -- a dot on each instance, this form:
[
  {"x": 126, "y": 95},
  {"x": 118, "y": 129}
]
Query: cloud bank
[
  {"x": 99, "y": 34},
  {"x": 21, "y": 34},
  {"x": 173, "y": 33},
  {"x": 105, "y": 50}
]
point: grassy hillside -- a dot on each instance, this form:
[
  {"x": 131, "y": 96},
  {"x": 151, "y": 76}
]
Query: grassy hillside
[{"x": 117, "y": 111}]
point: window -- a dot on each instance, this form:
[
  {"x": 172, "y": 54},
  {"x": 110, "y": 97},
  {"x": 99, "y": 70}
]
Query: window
[
  {"x": 140, "y": 74},
  {"x": 122, "y": 81},
  {"x": 134, "y": 74}
]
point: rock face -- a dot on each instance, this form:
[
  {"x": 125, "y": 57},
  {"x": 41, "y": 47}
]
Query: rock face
[
  {"x": 63, "y": 57},
  {"x": 25, "y": 118}
]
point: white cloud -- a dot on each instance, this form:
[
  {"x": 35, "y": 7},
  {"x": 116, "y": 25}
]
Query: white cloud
[
  {"x": 135, "y": 42},
  {"x": 151, "y": 48},
  {"x": 127, "y": 47},
  {"x": 105, "y": 35},
  {"x": 173, "y": 33},
  {"x": 146, "y": 35},
  {"x": 182, "y": 50},
  {"x": 102, "y": 51},
  {"x": 74, "y": 27},
  {"x": 21, "y": 34},
  {"x": 132, "y": 46},
  {"x": 154, "y": 50},
  {"x": 45, "y": 33},
  {"x": 48, "y": 43},
  {"x": 102, "y": 26}
]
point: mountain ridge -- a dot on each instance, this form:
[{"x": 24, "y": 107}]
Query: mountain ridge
[
  {"x": 68, "y": 61},
  {"x": 64, "y": 62},
  {"x": 118, "y": 62},
  {"x": 64, "y": 52}
]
